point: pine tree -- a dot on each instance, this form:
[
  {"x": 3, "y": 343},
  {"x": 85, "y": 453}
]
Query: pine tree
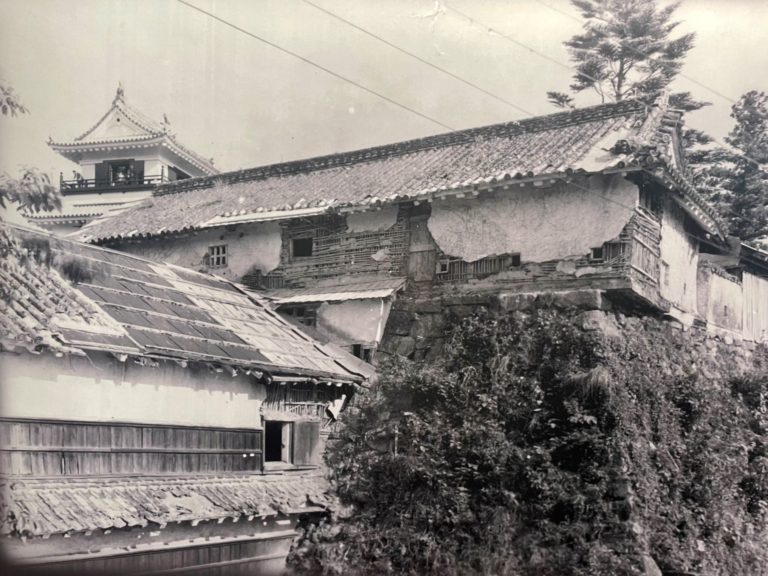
[
  {"x": 627, "y": 51},
  {"x": 734, "y": 178}
]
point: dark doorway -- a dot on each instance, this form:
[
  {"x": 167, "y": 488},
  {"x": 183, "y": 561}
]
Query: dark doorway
[{"x": 273, "y": 441}]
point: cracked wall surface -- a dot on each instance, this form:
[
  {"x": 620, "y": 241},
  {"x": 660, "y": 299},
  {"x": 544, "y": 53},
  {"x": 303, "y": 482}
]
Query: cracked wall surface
[{"x": 540, "y": 224}]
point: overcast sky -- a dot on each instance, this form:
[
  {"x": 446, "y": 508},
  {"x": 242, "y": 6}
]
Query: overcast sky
[{"x": 233, "y": 98}]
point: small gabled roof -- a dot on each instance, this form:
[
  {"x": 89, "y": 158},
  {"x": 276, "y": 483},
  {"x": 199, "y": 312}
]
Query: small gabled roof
[
  {"x": 69, "y": 297},
  {"x": 622, "y": 136},
  {"x": 338, "y": 291},
  {"x": 125, "y": 126}
]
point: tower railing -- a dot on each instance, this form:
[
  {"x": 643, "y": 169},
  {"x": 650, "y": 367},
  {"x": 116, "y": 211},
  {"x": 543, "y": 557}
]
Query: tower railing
[{"x": 102, "y": 184}]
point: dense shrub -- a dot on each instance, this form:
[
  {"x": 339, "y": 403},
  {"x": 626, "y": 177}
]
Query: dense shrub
[{"x": 534, "y": 447}]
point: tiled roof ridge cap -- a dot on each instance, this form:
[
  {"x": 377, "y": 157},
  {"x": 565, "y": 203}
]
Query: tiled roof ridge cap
[
  {"x": 526, "y": 125},
  {"x": 131, "y": 113}
]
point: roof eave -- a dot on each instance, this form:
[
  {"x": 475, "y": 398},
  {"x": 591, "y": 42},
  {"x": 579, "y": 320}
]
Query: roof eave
[{"x": 690, "y": 200}]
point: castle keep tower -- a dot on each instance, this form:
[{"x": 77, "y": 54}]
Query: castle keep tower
[{"x": 122, "y": 158}]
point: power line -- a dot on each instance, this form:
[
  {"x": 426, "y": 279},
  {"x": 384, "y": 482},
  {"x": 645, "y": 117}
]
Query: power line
[
  {"x": 517, "y": 42},
  {"x": 419, "y": 58},
  {"x": 316, "y": 65}
]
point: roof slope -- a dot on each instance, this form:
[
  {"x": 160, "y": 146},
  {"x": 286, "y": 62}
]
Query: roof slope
[
  {"x": 45, "y": 507},
  {"x": 580, "y": 140},
  {"x": 126, "y": 305}
]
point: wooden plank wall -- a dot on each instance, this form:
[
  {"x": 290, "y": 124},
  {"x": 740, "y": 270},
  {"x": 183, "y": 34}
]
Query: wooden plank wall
[
  {"x": 755, "y": 307},
  {"x": 262, "y": 555},
  {"x": 338, "y": 252},
  {"x": 59, "y": 448}
]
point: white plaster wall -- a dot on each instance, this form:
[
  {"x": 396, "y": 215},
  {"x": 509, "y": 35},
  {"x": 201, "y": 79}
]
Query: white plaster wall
[
  {"x": 152, "y": 167},
  {"x": 373, "y": 221},
  {"x": 157, "y": 155},
  {"x": 106, "y": 390},
  {"x": 353, "y": 321},
  {"x": 88, "y": 171},
  {"x": 256, "y": 245},
  {"x": 540, "y": 223},
  {"x": 680, "y": 253}
]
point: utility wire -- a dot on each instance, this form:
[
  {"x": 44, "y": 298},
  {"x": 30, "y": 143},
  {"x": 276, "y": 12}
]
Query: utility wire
[
  {"x": 388, "y": 99},
  {"x": 316, "y": 65},
  {"x": 518, "y": 43},
  {"x": 419, "y": 58}
]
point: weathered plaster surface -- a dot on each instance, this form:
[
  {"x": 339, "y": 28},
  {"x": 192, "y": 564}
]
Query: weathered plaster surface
[
  {"x": 373, "y": 221},
  {"x": 539, "y": 223},
  {"x": 353, "y": 321},
  {"x": 679, "y": 260},
  {"x": 102, "y": 389},
  {"x": 252, "y": 246},
  {"x": 724, "y": 308}
]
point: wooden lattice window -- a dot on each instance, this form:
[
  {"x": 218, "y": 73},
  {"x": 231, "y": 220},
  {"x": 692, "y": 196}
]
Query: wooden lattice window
[{"x": 217, "y": 256}]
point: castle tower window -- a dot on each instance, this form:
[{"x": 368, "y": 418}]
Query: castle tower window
[{"x": 120, "y": 172}]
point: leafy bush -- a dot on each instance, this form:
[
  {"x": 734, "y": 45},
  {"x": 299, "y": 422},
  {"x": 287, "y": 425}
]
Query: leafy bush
[{"x": 533, "y": 447}]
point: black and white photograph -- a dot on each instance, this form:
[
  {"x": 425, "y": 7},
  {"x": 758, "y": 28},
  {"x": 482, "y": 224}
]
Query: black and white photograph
[{"x": 384, "y": 287}]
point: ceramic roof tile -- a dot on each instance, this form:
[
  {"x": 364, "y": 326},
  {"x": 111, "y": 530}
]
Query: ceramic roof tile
[
  {"x": 543, "y": 145},
  {"x": 580, "y": 140},
  {"x": 125, "y": 304},
  {"x": 41, "y": 508}
]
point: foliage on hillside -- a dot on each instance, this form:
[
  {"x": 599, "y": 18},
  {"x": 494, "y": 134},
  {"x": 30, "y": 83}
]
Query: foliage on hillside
[
  {"x": 733, "y": 178},
  {"x": 537, "y": 447}
]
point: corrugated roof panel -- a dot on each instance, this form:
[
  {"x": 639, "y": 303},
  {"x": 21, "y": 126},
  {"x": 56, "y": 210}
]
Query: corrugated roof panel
[
  {"x": 184, "y": 328},
  {"x": 167, "y": 294},
  {"x": 121, "y": 313},
  {"x": 161, "y": 307},
  {"x": 86, "y": 339},
  {"x": 242, "y": 353},
  {"x": 128, "y": 316},
  {"x": 160, "y": 323},
  {"x": 146, "y": 338}
]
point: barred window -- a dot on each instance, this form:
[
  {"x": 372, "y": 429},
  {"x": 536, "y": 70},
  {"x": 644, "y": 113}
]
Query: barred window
[{"x": 217, "y": 256}]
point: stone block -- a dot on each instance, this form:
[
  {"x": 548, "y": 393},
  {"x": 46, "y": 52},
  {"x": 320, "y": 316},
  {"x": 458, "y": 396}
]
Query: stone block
[
  {"x": 431, "y": 306},
  {"x": 598, "y": 321},
  {"x": 583, "y": 299},
  {"x": 524, "y": 301},
  {"x": 428, "y": 326},
  {"x": 650, "y": 568},
  {"x": 405, "y": 346},
  {"x": 399, "y": 323}
]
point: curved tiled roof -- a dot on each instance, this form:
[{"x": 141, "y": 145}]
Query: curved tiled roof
[
  {"x": 36, "y": 507},
  {"x": 582, "y": 140}
]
